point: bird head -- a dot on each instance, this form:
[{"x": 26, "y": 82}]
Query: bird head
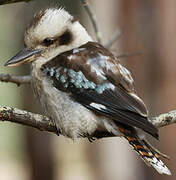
[{"x": 51, "y": 32}]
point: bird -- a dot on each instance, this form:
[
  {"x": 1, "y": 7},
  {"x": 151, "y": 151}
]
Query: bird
[{"x": 82, "y": 86}]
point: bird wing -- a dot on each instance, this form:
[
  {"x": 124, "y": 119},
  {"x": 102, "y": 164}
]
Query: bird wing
[{"x": 94, "y": 77}]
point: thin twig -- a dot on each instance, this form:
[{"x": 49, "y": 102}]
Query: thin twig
[
  {"x": 93, "y": 19},
  {"x": 2, "y": 2},
  {"x": 125, "y": 55},
  {"x": 15, "y": 79},
  {"x": 117, "y": 34},
  {"x": 37, "y": 121}
]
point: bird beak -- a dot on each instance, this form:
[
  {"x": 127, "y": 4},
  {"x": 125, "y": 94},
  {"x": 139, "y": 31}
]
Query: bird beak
[{"x": 25, "y": 55}]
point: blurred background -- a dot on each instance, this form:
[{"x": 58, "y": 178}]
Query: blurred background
[{"x": 148, "y": 27}]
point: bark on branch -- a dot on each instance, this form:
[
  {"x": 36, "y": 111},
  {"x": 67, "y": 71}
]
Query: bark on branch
[
  {"x": 2, "y": 2},
  {"x": 15, "y": 79},
  {"x": 37, "y": 121},
  {"x": 164, "y": 119}
]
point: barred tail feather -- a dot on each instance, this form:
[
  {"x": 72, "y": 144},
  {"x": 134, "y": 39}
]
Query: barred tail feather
[{"x": 147, "y": 154}]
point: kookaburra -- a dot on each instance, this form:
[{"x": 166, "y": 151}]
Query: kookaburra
[{"x": 82, "y": 86}]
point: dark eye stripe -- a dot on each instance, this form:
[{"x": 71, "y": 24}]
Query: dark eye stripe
[{"x": 65, "y": 38}]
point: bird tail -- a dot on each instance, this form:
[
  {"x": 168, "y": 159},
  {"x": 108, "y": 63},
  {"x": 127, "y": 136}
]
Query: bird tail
[{"x": 145, "y": 151}]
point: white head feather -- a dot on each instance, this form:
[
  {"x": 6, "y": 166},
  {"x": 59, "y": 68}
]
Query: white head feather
[
  {"x": 48, "y": 23},
  {"x": 52, "y": 23}
]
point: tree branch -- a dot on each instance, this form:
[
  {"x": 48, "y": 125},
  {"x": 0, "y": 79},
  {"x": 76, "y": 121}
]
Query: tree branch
[
  {"x": 164, "y": 119},
  {"x": 44, "y": 123},
  {"x": 93, "y": 19},
  {"x": 37, "y": 121},
  {"x": 15, "y": 79},
  {"x": 113, "y": 38},
  {"x": 2, "y": 2},
  {"x": 125, "y": 55}
]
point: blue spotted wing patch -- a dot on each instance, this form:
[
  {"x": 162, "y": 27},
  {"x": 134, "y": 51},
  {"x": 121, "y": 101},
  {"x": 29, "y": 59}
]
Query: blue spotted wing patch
[{"x": 68, "y": 79}]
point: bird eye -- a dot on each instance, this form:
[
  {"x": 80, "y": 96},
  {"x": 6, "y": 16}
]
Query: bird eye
[{"x": 48, "y": 41}]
